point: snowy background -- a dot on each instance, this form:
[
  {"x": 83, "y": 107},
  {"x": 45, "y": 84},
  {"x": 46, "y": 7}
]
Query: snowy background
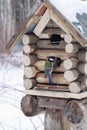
[{"x": 11, "y": 79}]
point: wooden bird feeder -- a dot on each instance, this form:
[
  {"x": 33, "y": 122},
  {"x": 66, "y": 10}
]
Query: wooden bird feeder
[{"x": 51, "y": 34}]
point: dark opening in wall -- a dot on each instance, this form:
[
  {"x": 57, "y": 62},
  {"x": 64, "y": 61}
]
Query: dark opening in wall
[{"x": 55, "y": 39}]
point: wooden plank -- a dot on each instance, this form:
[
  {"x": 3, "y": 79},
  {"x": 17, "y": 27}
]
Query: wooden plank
[
  {"x": 55, "y": 94},
  {"x": 52, "y": 87},
  {"x": 59, "y": 19},
  {"x": 42, "y": 23},
  {"x": 51, "y": 103}
]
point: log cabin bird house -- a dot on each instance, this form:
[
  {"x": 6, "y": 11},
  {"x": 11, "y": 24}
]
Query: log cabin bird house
[{"x": 46, "y": 32}]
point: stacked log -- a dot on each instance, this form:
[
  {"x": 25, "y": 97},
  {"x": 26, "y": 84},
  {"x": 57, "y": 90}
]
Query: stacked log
[
  {"x": 29, "y": 57},
  {"x": 72, "y": 73}
]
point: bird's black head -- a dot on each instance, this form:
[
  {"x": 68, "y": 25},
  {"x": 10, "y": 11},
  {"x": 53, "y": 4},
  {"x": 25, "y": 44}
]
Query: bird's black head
[{"x": 51, "y": 58}]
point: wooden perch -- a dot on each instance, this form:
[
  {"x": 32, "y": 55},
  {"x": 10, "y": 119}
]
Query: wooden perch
[
  {"x": 30, "y": 72},
  {"x": 46, "y": 44},
  {"x": 75, "y": 87},
  {"x": 29, "y": 39},
  {"x": 52, "y": 87},
  {"x": 82, "y": 67},
  {"x": 43, "y": 54},
  {"x": 72, "y": 47},
  {"x": 29, "y": 48},
  {"x": 70, "y": 63},
  {"x": 29, "y": 83},
  {"x": 68, "y": 38},
  {"x": 57, "y": 78},
  {"x": 29, "y": 105},
  {"x": 41, "y": 63},
  {"x": 71, "y": 75},
  {"x": 82, "y": 55},
  {"x": 29, "y": 59}
]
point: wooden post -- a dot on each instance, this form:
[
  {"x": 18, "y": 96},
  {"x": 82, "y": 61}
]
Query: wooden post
[{"x": 55, "y": 120}]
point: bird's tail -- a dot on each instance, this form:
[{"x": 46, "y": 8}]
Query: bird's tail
[{"x": 51, "y": 80}]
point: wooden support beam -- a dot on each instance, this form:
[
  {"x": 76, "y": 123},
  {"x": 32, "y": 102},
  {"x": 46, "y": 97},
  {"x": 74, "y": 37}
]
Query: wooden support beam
[
  {"x": 29, "y": 59},
  {"x": 42, "y": 23},
  {"x": 29, "y": 39},
  {"x": 43, "y": 54},
  {"x": 72, "y": 48},
  {"x": 46, "y": 44},
  {"x": 29, "y": 105},
  {"x": 57, "y": 78},
  {"x": 70, "y": 63},
  {"x": 51, "y": 103},
  {"x": 55, "y": 94},
  {"x": 41, "y": 63},
  {"x": 29, "y": 48},
  {"x": 71, "y": 75}
]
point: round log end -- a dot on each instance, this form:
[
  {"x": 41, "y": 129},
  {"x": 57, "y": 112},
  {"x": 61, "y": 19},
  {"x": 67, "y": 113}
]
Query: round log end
[
  {"x": 67, "y": 64},
  {"x": 25, "y": 39},
  {"x": 71, "y": 75},
  {"x": 29, "y": 105},
  {"x": 75, "y": 87},
  {"x": 73, "y": 112}
]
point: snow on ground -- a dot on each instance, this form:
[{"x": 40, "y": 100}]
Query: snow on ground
[{"x": 11, "y": 93}]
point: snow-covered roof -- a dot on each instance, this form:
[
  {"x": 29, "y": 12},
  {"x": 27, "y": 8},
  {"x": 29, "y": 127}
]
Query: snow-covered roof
[{"x": 62, "y": 9}]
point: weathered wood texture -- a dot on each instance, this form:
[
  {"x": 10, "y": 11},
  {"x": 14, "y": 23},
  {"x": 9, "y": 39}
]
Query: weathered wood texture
[
  {"x": 57, "y": 78},
  {"x": 75, "y": 87},
  {"x": 71, "y": 75},
  {"x": 29, "y": 48},
  {"x": 29, "y": 105},
  {"x": 29, "y": 59},
  {"x": 82, "y": 55},
  {"x": 43, "y": 54},
  {"x": 72, "y": 47},
  {"x": 68, "y": 38},
  {"x": 29, "y": 39},
  {"x": 70, "y": 63},
  {"x": 52, "y": 103},
  {"x": 47, "y": 32},
  {"x": 82, "y": 67},
  {"x": 55, "y": 120},
  {"x": 29, "y": 83},
  {"x": 52, "y": 87},
  {"x": 40, "y": 66},
  {"x": 46, "y": 44},
  {"x": 30, "y": 72}
]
